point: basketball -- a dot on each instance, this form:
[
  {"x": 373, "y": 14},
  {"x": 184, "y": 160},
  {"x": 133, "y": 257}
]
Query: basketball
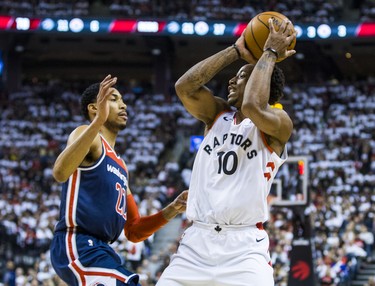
[{"x": 256, "y": 32}]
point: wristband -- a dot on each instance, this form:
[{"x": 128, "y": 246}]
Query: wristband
[
  {"x": 237, "y": 50},
  {"x": 272, "y": 51}
]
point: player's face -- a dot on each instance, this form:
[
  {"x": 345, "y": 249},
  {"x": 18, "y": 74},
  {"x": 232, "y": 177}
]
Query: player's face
[
  {"x": 118, "y": 116},
  {"x": 237, "y": 85}
]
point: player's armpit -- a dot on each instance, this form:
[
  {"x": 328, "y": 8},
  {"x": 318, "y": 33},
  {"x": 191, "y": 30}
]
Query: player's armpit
[{"x": 139, "y": 228}]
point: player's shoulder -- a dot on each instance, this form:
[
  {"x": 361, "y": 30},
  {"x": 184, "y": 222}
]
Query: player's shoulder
[
  {"x": 81, "y": 128},
  {"x": 78, "y": 131}
]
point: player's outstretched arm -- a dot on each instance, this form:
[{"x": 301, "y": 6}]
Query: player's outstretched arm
[
  {"x": 85, "y": 140},
  {"x": 139, "y": 228}
]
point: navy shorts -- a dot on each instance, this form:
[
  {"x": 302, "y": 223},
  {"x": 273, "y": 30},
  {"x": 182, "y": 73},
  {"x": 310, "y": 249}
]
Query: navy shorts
[{"x": 82, "y": 259}]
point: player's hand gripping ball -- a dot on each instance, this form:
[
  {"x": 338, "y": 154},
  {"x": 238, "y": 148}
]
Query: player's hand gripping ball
[{"x": 257, "y": 31}]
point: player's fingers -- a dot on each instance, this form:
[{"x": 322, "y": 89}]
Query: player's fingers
[
  {"x": 290, "y": 39},
  {"x": 106, "y": 79},
  {"x": 270, "y": 25},
  {"x": 290, "y": 53},
  {"x": 290, "y": 29},
  {"x": 108, "y": 83},
  {"x": 182, "y": 199},
  {"x": 104, "y": 83},
  {"x": 105, "y": 89},
  {"x": 284, "y": 27}
]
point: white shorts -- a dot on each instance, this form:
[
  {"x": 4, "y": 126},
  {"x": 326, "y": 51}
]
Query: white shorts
[{"x": 227, "y": 256}]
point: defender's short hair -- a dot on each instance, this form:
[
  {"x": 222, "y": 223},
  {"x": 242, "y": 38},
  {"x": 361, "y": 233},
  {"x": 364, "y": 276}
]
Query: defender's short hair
[{"x": 89, "y": 96}]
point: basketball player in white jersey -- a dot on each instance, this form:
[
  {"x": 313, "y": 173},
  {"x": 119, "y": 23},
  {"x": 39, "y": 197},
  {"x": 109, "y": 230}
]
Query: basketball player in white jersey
[{"x": 244, "y": 145}]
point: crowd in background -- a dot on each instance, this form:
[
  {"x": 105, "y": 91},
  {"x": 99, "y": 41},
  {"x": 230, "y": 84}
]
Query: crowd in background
[
  {"x": 298, "y": 11},
  {"x": 334, "y": 125}
]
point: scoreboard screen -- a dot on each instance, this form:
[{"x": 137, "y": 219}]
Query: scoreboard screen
[{"x": 172, "y": 27}]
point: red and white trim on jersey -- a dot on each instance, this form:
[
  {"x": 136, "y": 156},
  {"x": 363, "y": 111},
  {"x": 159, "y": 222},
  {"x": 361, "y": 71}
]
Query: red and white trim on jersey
[
  {"x": 112, "y": 154},
  {"x": 86, "y": 274},
  {"x": 72, "y": 199},
  {"x": 265, "y": 142}
]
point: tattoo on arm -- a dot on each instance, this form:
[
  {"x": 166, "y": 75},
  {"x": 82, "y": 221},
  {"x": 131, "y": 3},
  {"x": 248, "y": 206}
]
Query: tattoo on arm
[
  {"x": 264, "y": 62},
  {"x": 205, "y": 70}
]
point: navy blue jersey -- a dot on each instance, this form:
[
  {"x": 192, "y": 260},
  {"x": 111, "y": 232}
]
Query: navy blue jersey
[{"x": 94, "y": 198}]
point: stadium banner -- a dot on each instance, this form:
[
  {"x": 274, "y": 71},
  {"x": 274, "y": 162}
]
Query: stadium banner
[
  {"x": 174, "y": 27},
  {"x": 302, "y": 270}
]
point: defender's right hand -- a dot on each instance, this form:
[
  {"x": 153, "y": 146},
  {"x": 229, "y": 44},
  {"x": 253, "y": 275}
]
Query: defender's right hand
[{"x": 105, "y": 91}]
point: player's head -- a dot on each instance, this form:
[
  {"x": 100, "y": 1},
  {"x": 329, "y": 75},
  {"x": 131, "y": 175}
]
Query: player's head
[
  {"x": 237, "y": 85},
  {"x": 117, "y": 117}
]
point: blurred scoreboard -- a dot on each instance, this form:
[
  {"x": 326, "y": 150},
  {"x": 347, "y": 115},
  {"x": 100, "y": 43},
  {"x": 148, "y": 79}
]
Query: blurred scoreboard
[{"x": 178, "y": 28}]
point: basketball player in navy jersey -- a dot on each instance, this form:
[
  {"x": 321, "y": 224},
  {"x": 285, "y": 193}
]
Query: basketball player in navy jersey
[
  {"x": 244, "y": 145},
  {"x": 97, "y": 204}
]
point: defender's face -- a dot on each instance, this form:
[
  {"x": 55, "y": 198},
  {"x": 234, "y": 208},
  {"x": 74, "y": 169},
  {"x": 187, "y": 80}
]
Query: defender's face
[
  {"x": 236, "y": 87},
  {"x": 118, "y": 116}
]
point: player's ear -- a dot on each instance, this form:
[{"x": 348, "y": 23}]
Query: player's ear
[{"x": 92, "y": 108}]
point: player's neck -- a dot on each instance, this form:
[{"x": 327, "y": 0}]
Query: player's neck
[
  {"x": 109, "y": 136},
  {"x": 238, "y": 117}
]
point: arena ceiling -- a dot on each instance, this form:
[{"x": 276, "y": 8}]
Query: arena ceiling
[{"x": 90, "y": 57}]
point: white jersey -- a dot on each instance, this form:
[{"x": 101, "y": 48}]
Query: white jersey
[{"x": 232, "y": 174}]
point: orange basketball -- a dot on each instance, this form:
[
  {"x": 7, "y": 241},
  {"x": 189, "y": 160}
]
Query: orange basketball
[{"x": 256, "y": 32}]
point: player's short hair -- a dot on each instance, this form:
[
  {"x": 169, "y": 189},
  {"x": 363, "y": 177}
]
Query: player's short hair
[
  {"x": 277, "y": 85},
  {"x": 89, "y": 96}
]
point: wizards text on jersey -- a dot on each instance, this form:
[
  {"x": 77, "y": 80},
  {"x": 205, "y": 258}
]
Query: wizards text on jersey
[{"x": 118, "y": 173}]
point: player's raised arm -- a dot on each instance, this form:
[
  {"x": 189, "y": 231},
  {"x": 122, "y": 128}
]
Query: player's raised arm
[
  {"x": 191, "y": 89},
  {"x": 274, "y": 122},
  {"x": 85, "y": 140}
]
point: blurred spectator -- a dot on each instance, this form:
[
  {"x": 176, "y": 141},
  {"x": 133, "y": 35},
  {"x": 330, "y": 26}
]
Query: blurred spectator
[
  {"x": 10, "y": 274},
  {"x": 135, "y": 254}
]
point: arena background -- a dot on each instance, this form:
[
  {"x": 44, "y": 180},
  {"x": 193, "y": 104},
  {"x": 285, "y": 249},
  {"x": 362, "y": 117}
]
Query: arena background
[{"x": 45, "y": 63}]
